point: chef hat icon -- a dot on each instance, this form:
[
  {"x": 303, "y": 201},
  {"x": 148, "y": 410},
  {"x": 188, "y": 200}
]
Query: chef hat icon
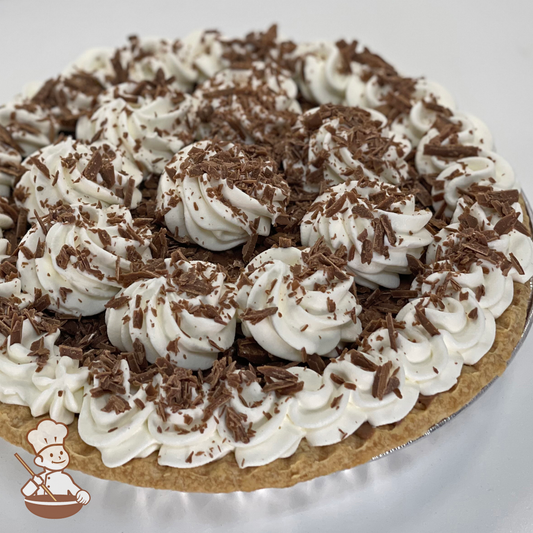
[{"x": 47, "y": 433}]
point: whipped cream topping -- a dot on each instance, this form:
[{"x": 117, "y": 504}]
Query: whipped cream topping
[
  {"x": 189, "y": 314},
  {"x": 427, "y": 100},
  {"x": 194, "y": 423},
  {"x": 97, "y": 62},
  {"x": 71, "y": 172},
  {"x": 487, "y": 168},
  {"x": 453, "y": 137},
  {"x": 149, "y": 121},
  {"x": 77, "y": 254},
  {"x": 25, "y": 126},
  {"x": 67, "y": 97},
  {"x": 487, "y": 231},
  {"x": 6, "y": 222},
  {"x": 116, "y": 425},
  {"x": 378, "y": 225},
  {"x": 295, "y": 303},
  {"x": 425, "y": 359},
  {"x": 30, "y": 125},
  {"x": 466, "y": 329},
  {"x": 10, "y": 162},
  {"x": 33, "y": 373},
  {"x": 251, "y": 105},
  {"x": 494, "y": 290},
  {"x": 331, "y": 144},
  {"x": 322, "y": 74},
  {"x": 221, "y": 194}
]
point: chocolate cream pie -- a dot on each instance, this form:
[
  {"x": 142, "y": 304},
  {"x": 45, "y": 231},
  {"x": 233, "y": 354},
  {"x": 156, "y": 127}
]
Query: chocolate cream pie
[{"x": 232, "y": 264}]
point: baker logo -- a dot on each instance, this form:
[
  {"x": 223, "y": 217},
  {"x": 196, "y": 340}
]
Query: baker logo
[{"x": 51, "y": 493}]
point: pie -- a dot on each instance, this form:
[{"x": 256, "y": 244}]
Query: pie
[{"x": 232, "y": 264}]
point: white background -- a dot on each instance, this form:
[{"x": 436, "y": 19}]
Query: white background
[{"x": 473, "y": 474}]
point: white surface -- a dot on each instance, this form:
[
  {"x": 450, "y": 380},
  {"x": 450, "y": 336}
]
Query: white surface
[{"x": 473, "y": 474}]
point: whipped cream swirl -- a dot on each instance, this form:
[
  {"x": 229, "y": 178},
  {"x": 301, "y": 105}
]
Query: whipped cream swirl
[
  {"x": 70, "y": 172},
  {"x": 459, "y": 135},
  {"x": 186, "y": 438},
  {"x": 494, "y": 290},
  {"x": 10, "y": 162},
  {"x": 247, "y": 105},
  {"x": 149, "y": 121},
  {"x": 492, "y": 230},
  {"x": 382, "y": 390},
  {"x": 189, "y": 314},
  {"x": 6, "y": 222},
  {"x": 116, "y": 424},
  {"x": 375, "y": 222},
  {"x": 25, "y": 126},
  {"x": 29, "y": 124},
  {"x": 332, "y": 144},
  {"x": 77, "y": 254},
  {"x": 321, "y": 72},
  {"x": 467, "y": 330},
  {"x": 34, "y": 374},
  {"x": 220, "y": 194},
  {"x": 486, "y": 169},
  {"x": 295, "y": 303}
]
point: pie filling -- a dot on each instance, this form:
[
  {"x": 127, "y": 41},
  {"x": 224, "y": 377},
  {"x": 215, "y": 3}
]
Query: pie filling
[{"x": 213, "y": 246}]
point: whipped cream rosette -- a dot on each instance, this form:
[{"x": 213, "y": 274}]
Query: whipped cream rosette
[
  {"x": 198, "y": 56},
  {"x": 149, "y": 121},
  {"x": 10, "y": 162},
  {"x": 98, "y": 63},
  {"x": 254, "y": 421},
  {"x": 188, "y": 313},
  {"x": 295, "y": 302},
  {"x": 35, "y": 373},
  {"x": 330, "y": 144},
  {"x": 76, "y": 256},
  {"x": 382, "y": 390},
  {"x": 426, "y": 101},
  {"x": 71, "y": 172},
  {"x": 467, "y": 330},
  {"x": 323, "y": 407},
  {"x": 188, "y": 61},
  {"x": 322, "y": 72},
  {"x": 68, "y": 96},
  {"x": 455, "y": 136},
  {"x": 6, "y": 222},
  {"x": 490, "y": 230},
  {"x": 218, "y": 195},
  {"x": 185, "y": 420},
  {"x": 378, "y": 225},
  {"x": 493, "y": 288},
  {"x": 486, "y": 169},
  {"x": 252, "y": 105},
  {"x": 25, "y": 126},
  {"x": 421, "y": 350},
  {"x": 114, "y": 413},
  {"x": 30, "y": 125}
]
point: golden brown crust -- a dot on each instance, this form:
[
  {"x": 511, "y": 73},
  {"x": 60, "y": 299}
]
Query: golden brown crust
[{"x": 308, "y": 462}]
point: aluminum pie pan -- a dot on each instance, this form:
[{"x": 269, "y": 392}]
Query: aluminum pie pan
[{"x": 527, "y": 328}]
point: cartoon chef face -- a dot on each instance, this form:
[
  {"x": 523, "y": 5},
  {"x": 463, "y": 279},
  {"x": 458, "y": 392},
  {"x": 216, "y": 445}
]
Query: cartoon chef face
[
  {"x": 47, "y": 441},
  {"x": 53, "y": 458}
]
